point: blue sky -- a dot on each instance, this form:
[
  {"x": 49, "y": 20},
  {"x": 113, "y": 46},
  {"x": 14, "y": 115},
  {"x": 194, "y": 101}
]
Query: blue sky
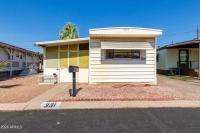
[{"x": 23, "y": 22}]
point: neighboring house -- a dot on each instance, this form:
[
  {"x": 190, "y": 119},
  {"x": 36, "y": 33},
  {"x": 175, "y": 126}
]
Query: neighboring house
[
  {"x": 120, "y": 54},
  {"x": 17, "y": 59},
  {"x": 182, "y": 58}
]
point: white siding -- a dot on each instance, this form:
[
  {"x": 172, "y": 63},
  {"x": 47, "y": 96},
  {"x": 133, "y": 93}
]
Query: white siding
[
  {"x": 161, "y": 64},
  {"x": 168, "y": 58},
  {"x": 65, "y": 76},
  {"x": 126, "y": 45},
  {"x": 102, "y": 71}
]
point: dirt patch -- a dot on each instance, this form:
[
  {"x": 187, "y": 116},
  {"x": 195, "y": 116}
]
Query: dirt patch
[
  {"x": 119, "y": 92},
  {"x": 21, "y": 89},
  {"x": 167, "y": 89}
]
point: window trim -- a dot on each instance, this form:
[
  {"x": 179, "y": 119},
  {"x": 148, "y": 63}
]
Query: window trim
[{"x": 129, "y": 51}]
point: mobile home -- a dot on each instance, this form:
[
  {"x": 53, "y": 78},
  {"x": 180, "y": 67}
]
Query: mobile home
[
  {"x": 15, "y": 59},
  {"x": 182, "y": 58},
  {"x": 118, "y": 54}
]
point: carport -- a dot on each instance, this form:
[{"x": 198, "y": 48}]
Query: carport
[{"x": 185, "y": 49}]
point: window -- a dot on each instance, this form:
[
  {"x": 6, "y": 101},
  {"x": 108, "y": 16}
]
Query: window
[
  {"x": 84, "y": 55},
  {"x": 121, "y": 53},
  {"x": 83, "y": 46},
  {"x": 17, "y": 55}
]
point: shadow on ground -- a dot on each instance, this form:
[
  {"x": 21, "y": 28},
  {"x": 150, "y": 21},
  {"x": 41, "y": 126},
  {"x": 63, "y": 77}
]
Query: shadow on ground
[{"x": 9, "y": 86}]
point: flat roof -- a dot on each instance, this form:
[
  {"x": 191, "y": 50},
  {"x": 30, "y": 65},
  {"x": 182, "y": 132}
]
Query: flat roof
[
  {"x": 63, "y": 42},
  {"x": 124, "y": 32},
  {"x": 3, "y": 44},
  {"x": 189, "y": 43},
  {"x": 106, "y": 32}
]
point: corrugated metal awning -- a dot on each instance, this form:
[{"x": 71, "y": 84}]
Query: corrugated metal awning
[{"x": 126, "y": 45}]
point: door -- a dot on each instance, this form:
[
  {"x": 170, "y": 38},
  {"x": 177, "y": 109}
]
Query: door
[{"x": 184, "y": 61}]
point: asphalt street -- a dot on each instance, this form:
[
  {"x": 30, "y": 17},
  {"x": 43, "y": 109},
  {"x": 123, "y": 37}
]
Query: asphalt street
[{"x": 160, "y": 120}]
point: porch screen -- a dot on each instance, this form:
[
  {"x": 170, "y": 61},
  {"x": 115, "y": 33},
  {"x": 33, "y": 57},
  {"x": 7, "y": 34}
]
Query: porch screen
[
  {"x": 52, "y": 57},
  {"x": 73, "y": 55},
  {"x": 64, "y": 56},
  {"x": 84, "y": 55}
]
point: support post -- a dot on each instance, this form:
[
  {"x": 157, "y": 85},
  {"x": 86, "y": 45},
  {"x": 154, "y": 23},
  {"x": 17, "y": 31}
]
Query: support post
[
  {"x": 26, "y": 59},
  {"x": 11, "y": 62},
  {"x": 74, "y": 84}
]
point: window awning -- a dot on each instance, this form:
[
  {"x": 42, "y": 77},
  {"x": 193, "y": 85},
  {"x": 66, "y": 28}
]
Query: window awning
[{"x": 126, "y": 45}]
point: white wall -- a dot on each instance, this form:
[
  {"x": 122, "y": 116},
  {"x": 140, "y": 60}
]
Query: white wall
[
  {"x": 121, "y": 72},
  {"x": 168, "y": 58},
  {"x": 161, "y": 63}
]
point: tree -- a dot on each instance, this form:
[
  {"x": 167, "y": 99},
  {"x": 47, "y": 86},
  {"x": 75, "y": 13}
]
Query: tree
[{"x": 69, "y": 31}]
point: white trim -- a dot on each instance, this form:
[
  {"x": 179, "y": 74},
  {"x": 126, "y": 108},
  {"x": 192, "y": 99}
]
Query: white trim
[
  {"x": 155, "y": 60},
  {"x": 138, "y": 28},
  {"x": 63, "y": 42},
  {"x": 124, "y": 32},
  {"x": 126, "y": 45},
  {"x": 89, "y": 68}
]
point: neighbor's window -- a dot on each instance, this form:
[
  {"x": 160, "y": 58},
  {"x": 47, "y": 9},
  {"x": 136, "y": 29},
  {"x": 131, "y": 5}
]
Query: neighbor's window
[{"x": 121, "y": 53}]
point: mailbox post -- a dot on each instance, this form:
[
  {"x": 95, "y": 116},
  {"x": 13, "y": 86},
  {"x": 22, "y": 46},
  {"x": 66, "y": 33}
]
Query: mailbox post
[{"x": 73, "y": 70}]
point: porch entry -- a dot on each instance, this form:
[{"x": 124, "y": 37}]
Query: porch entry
[{"x": 183, "y": 61}]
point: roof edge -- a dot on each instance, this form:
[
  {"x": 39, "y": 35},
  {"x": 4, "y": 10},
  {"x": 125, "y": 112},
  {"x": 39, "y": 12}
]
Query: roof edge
[
  {"x": 61, "y": 41},
  {"x": 4, "y": 44},
  {"x": 178, "y": 43},
  {"x": 139, "y": 28}
]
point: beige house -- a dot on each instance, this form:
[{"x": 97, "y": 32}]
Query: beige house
[
  {"x": 180, "y": 58},
  {"x": 119, "y": 54}
]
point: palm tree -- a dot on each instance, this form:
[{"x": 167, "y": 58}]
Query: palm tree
[{"x": 69, "y": 31}]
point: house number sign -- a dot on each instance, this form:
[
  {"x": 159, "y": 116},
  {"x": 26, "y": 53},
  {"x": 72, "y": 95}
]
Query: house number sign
[{"x": 50, "y": 105}]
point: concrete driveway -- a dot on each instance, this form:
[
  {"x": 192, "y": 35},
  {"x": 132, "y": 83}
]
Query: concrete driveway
[{"x": 187, "y": 90}]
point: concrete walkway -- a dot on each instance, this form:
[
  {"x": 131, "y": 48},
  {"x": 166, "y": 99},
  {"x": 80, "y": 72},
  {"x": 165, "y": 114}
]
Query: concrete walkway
[{"x": 102, "y": 105}]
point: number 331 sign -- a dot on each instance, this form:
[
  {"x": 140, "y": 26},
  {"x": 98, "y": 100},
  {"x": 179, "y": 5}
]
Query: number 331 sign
[{"x": 50, "y": 105}]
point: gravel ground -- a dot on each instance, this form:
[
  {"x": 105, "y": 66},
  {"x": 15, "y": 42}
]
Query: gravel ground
[
  {"x": 167, "y": 89},
  {"x": 21, "y": 89}
]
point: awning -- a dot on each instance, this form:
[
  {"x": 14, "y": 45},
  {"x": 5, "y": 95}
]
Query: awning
[
  {"x": 64, "y": 42},
  {"x": 126, "y": 45}
]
